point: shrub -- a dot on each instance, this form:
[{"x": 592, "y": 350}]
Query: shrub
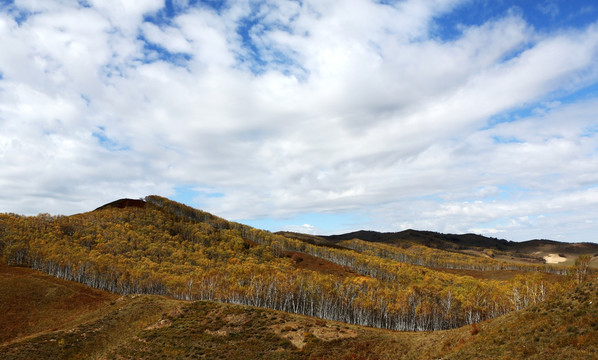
[{"x": 474, "y": 329}]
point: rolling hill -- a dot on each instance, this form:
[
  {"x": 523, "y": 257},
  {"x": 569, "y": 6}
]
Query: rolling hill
[
  {"x": 531, "y": 251},
  {"x": 149, "y": 261},
  {"x": 107, "y": 326}
]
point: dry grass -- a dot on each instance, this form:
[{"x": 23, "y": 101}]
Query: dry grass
[
  {"x": 70, "y": 321},
  {"x": 562, "y": 328},
  {"x": 32, "y": 303}
]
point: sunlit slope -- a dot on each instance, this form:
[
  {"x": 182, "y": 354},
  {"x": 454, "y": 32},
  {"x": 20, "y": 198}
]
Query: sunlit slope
[
  {"x": 158, "y": 246},
  {"x": 156, "y": 327},
  {"x": 565, "y": 327}
]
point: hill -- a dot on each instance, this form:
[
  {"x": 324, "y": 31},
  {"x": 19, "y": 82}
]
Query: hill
[
  {"x": 28, "y": 297},
  {"x": 428, "y": 238},
  {"x": 49, "y": 318},
  {"x": 565, "y": 327},
  {"x": 526, "y": 252},
  {"x": 157, "y": 327},
  {"x": 158, "y": 246},
  {"x": 123, "y": 203}
]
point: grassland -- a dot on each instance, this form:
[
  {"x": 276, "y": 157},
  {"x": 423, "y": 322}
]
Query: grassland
[
  {"x": 565, "y": 327},
  {"x": 58, "y": 319},
  {"x": 29, "y": 300}
]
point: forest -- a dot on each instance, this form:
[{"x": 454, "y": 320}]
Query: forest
[{"x": 164, "y": 247}]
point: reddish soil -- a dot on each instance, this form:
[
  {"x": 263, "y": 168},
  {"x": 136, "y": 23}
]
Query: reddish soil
[
  {"x": 33, "y": 302},
  {"x": 123, "y": 203},
  {"x": 309, "y": 262}
]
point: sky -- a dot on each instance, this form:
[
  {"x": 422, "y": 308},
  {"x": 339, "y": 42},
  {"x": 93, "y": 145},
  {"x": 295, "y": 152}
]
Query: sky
[{"x": 317, "y": 116}]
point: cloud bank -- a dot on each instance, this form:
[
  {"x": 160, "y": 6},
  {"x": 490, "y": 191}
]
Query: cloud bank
[{"x": 392, "y": 115}]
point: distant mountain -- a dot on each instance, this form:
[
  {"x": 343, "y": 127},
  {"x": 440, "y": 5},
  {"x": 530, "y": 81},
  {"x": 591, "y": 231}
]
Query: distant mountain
[
  {"x": 427, "y": 238},
  {"x": 532, "y": 251}
]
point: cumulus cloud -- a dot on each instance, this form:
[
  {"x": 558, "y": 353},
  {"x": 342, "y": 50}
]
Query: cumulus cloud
[
  {"x": 292, "y": 107},
  {"x": 303, "y": 229}
]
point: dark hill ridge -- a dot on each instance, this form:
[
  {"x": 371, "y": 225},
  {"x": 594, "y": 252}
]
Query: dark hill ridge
[
  {"x": 527, "y": 252},
  {"x": 459, "y": 242},
  {"x": 123, "y": 203},
  {"x": 427, "y": 238}
]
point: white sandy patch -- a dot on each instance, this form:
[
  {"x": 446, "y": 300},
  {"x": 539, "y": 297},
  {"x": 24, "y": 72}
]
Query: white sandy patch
[{"x": 554, "y": 259}]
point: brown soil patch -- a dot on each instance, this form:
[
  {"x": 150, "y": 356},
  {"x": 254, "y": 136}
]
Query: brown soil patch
[
  {"x": 30, "y": 301},
  {"x": 220, "y": 332},
  {"x": 296, "y": 332},
  {"x": 162, "y": 323},
  {"x": 225, "y": 331},
  {"x": 309, "y": 262},
  {"x": 237, "y": 319}
]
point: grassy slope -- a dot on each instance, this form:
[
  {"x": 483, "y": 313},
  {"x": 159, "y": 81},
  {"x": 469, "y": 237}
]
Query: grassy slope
[
  {"x": 27, "y": 297},
  {"x": 48, "y": 318},
  {"x": 562, "y": 328},
  {"x": 155, "y": 327}
]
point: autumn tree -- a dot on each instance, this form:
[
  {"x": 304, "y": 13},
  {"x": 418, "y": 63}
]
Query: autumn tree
[{"x": 581, "y": 268}]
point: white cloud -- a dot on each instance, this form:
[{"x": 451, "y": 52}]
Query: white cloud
[
  {"x": 330, "y": 108},
  {"x": 304, "y": 229},
  {"x": 169, "y": 38}
]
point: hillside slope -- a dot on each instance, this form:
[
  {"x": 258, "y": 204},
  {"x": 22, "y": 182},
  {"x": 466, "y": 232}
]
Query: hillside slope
[
  {"x": 49, "y": 318},
  {"x": 156, "y": 327},
  {"x": 565, "y": 327},
  {"x": 526, "y": 252},
  {"x": 29, "y": 299},
  {"x": 158, "y": 246}
]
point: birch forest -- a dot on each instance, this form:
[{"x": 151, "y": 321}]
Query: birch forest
[{"x": 163, "y": 247}]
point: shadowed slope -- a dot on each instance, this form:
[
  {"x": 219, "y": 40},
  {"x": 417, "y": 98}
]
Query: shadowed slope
[{"x": 32, "y": 302}]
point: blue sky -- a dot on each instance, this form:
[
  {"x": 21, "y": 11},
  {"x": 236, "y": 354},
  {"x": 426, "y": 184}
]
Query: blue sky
[{"x": 314, "y": 116}]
